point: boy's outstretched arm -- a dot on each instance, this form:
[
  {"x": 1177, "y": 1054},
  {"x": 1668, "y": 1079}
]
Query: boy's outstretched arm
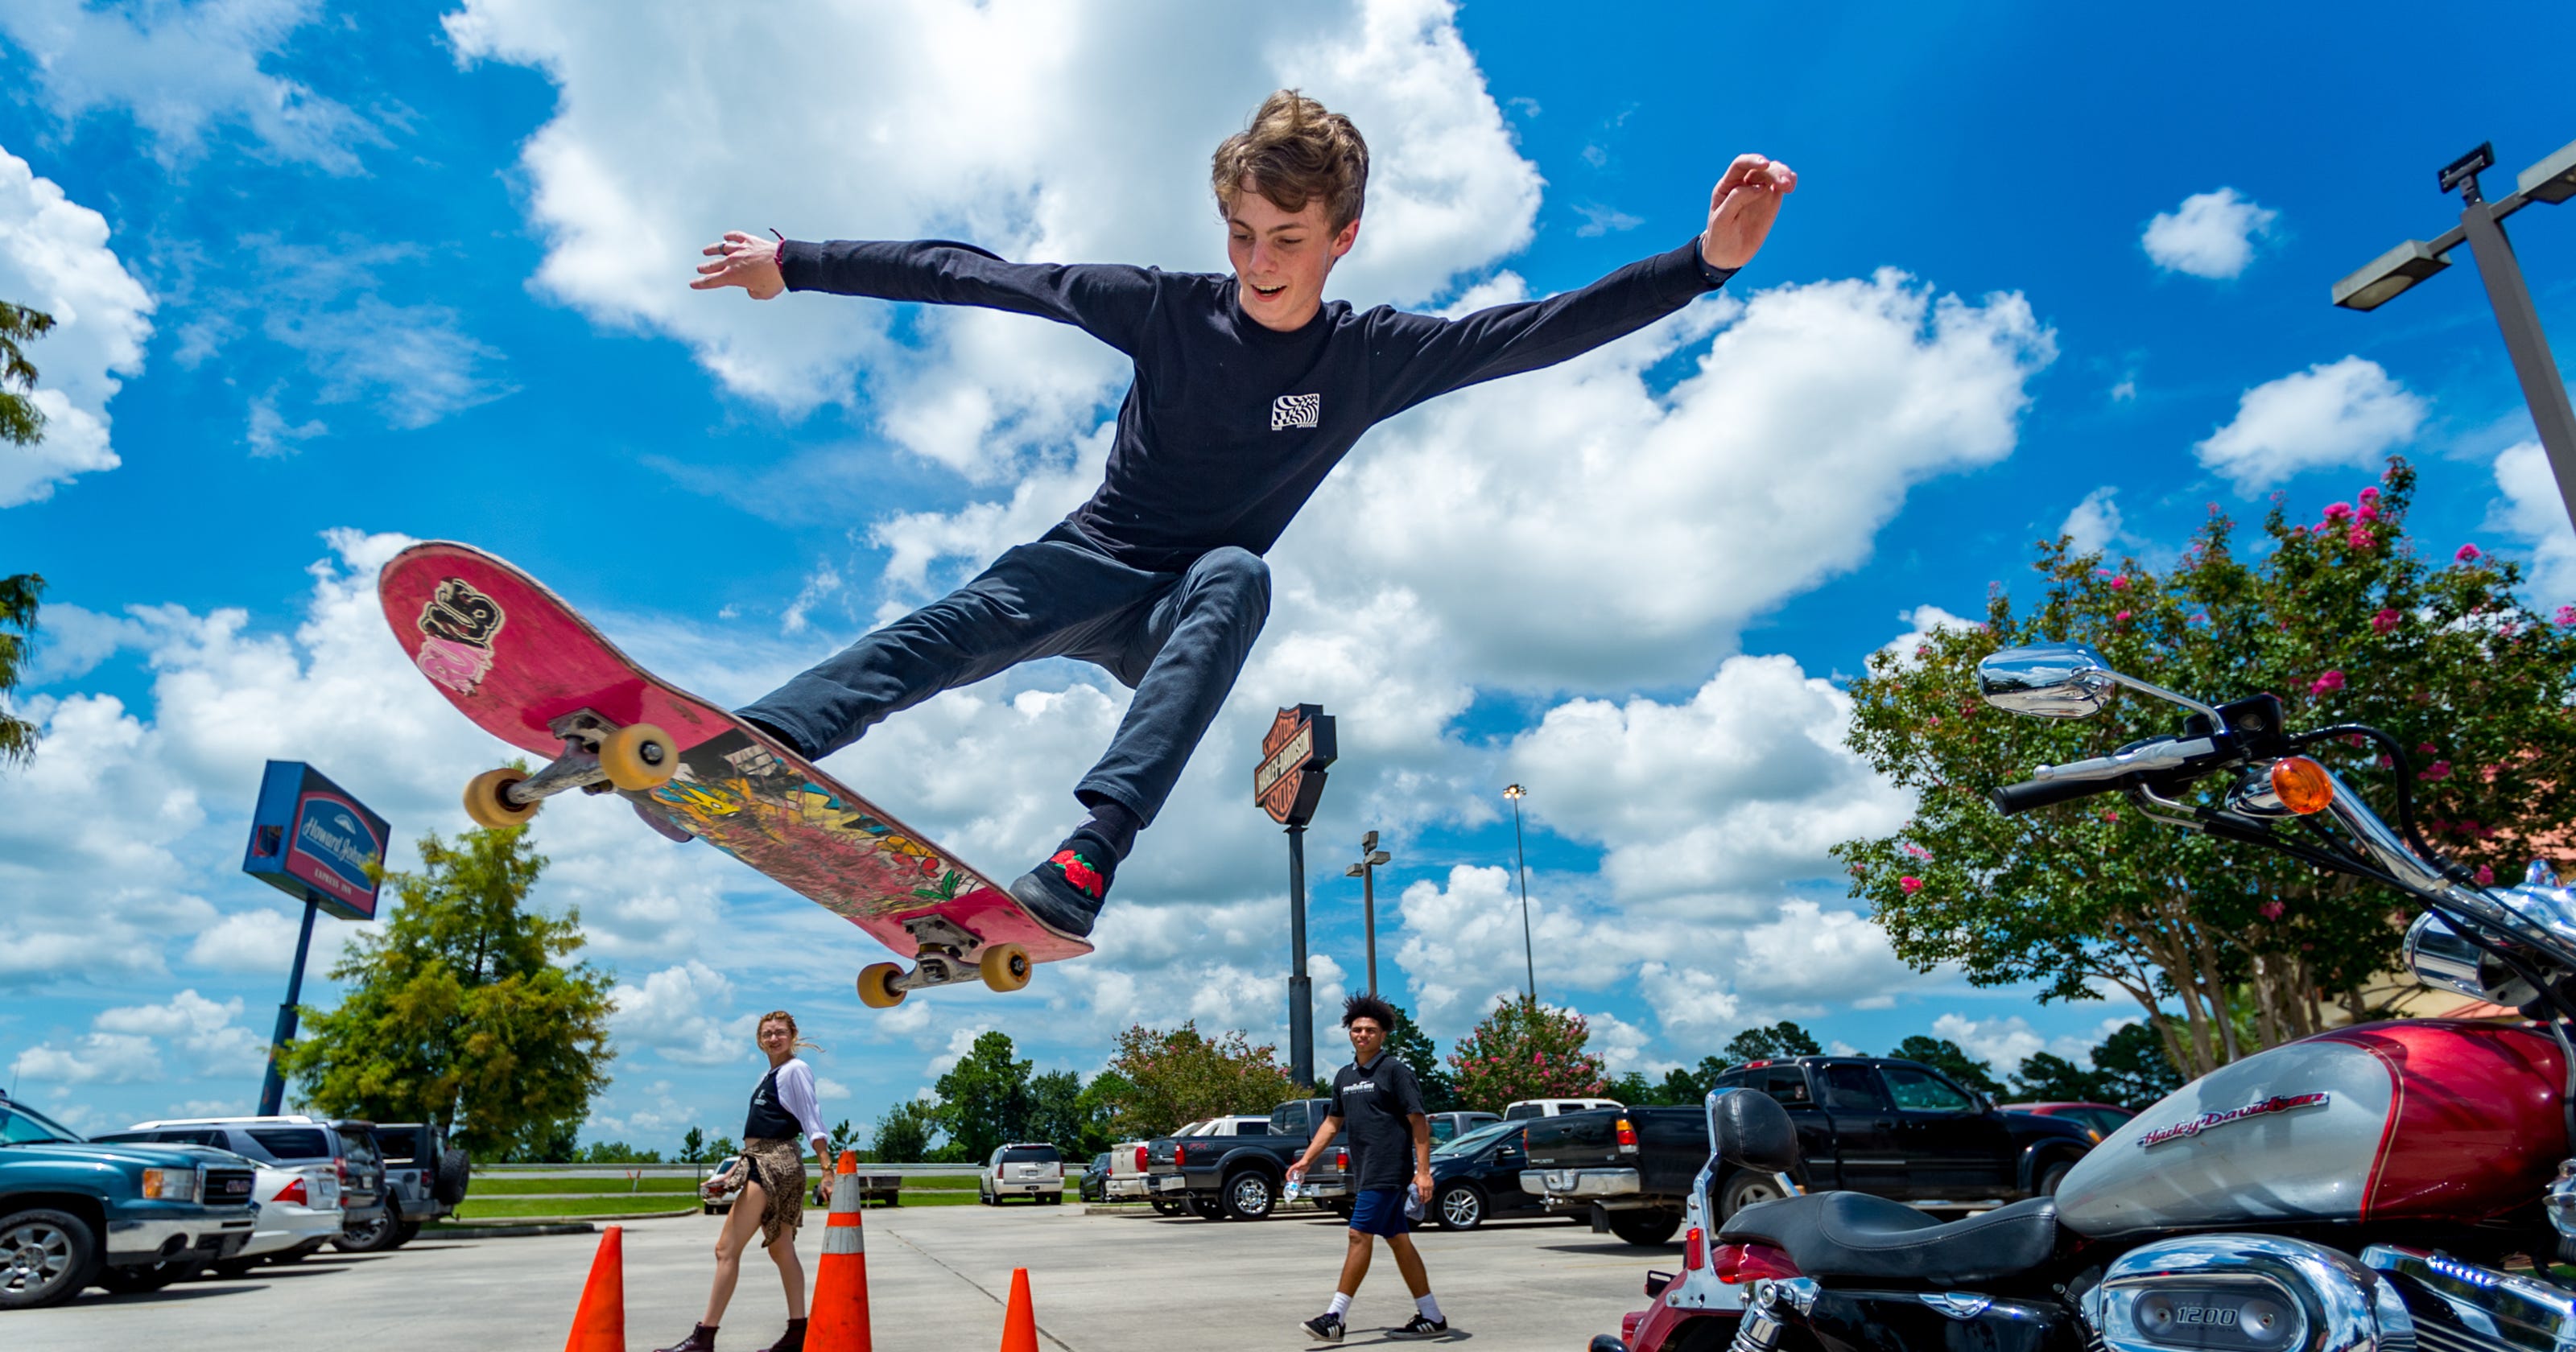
[
  {"x": 1107, "y": 301},
  {"x": 1742, "y": 207},
  {"x": 749, "y": 262}
]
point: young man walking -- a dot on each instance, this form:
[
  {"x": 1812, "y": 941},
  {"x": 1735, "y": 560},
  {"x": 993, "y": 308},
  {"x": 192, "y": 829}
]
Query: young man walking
[
  {"x": 1376, "y": 1100},
  {"x": 1249, "y": 389}
]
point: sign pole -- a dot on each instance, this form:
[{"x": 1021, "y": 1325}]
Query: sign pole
[
  {"x": 272, "y": 1085},
  {"x": 1301, "y": 990}
]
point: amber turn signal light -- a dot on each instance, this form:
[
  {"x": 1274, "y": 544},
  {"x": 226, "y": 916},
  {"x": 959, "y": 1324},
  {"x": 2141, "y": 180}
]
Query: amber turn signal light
[{"x": 2302, "y": 785}]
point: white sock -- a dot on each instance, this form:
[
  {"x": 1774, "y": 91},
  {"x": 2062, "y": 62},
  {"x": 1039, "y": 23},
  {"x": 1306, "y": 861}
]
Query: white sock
[
  {"x": 1341, "y": 1304},
  {"x": 1430, "y": 1308}
]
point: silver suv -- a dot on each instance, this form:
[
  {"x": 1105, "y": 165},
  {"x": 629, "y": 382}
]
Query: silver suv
[
  {"x": 1031, "y": 1169},
  {"x": 424, "y": 1179},
  {"x": 346, "y": 1145}
]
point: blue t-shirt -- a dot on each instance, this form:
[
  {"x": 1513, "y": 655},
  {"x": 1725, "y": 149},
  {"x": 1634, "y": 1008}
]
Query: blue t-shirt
[{"x": 1230, "y": 426}]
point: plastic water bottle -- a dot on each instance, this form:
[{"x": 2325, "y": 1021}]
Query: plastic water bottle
[{"x": 1296, "y": 1188}]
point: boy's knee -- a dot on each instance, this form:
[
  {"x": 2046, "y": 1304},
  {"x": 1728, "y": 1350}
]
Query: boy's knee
[{"x": 1240, "y": 574}]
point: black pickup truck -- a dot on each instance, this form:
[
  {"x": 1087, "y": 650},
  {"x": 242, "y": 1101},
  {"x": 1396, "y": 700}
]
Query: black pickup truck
[
  {"x": 1898, "y": 1129},
  {"x": 1241, "y": 1177}
]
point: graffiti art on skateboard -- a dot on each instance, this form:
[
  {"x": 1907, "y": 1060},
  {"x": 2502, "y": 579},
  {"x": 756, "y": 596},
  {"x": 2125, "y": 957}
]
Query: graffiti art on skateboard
[{"x": 513, "y": 657}]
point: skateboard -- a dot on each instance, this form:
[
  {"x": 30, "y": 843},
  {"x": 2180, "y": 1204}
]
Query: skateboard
[{"x": 520, "y": 662}]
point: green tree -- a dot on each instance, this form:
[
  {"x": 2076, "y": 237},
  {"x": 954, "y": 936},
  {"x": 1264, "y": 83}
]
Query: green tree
[
  {"x": 615, "y": 1152},
  {"x": 2131, "y": 1068},
  {"x": 18, "y": 597},
  {"x": 903, "y": 1134},
  {"x": 21, "y": 422},
  {"x": 2227, "y": 948},
  {"x": 984, "y": 1099},
  {"x": 2046, "y": 1077},
  {"x": 1169, "y": 1078},
  {"x": 1947, "y": 1057},
  {"x": 1064, "y": 1111},
  {"x": 1761, "y": 1044},
  {"x": 693, "y": 1146},
  {"x": 1416, "y": 1050},
  {"x": 722, "y": 1148},
  {"x": 842, "y": 1137},
  {"x": 467, "y": 1010},
  {"x": 1522, "y": 1050}
]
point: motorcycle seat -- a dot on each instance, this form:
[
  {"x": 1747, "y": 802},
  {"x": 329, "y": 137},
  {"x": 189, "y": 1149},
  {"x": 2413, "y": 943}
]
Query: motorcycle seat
[{"x": 1856, "y": 1236}]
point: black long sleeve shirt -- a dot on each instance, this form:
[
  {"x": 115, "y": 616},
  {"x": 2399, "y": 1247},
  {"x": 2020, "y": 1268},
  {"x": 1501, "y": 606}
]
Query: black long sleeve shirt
[{"x": 1230, "y": 426}]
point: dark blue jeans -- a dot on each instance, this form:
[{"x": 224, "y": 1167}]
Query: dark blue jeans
[{"x": 1176, "y": 639}]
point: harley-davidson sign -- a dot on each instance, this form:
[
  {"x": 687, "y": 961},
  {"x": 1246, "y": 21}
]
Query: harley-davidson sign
[
  {"x": 2193, "y": 1126},
  {"x": 1294, "y": 755}
]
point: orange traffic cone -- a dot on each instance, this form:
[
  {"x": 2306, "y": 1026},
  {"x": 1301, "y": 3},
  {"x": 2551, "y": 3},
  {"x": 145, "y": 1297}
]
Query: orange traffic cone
[
  {"x": 600, "y": 1324},
  {"x": 838, "y": 1321},
  {"x": 1020, "y": 1321}
]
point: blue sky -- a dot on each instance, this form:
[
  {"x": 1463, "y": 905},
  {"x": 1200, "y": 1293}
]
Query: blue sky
[{"x": 332, "y": 277}]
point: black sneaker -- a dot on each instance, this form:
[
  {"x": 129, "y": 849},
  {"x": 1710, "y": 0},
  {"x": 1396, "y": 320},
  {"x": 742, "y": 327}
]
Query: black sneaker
[
  {"x": 1064, "y": 893},
  {"x": 1421, "y": 1326},
  {"x": 1324, "y": 1328}
]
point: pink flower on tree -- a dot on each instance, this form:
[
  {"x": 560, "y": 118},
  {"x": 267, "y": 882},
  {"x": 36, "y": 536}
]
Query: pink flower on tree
[
  {"x": 2467, "y": 554},
  {"x": 1910, "y": 883},
  {"x": 2327, "y": 684},
  {"x": 2358, "y": 537},
  {"x": 2485, "y": 876},
  {"x": 2271, "y": 910},
  {"x": 2121, "y": 618},
  {"x": 2566, "y": 616},
  {"x": 2370, "y": 497},
  {"x": 2367, "y": 513},
  {"x": 2385, "y": 620},
  {"x": 2425, "y": 748},
  {"x": 2435, "y": 772},
  {"x": 2338, "y": 511},
  {"x": 2119, "y": 584}
]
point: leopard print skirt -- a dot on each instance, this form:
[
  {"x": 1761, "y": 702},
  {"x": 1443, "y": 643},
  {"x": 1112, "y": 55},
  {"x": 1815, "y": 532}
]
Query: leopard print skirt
[{"x": 780, "y": 1171}]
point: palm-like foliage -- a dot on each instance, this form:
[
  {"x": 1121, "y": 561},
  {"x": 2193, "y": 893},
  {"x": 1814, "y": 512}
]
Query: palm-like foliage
[{"x": 18, "y": 597}]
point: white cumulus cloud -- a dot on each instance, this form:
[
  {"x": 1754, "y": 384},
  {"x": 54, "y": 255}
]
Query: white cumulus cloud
[
  {"x": 2093, "y": 524},
  {"x": 2210, "y": 235},
  {"x": 54, "y": 258},
  {"x": 2532, "y": 508},
  {"x": 2342, "y": 414}
]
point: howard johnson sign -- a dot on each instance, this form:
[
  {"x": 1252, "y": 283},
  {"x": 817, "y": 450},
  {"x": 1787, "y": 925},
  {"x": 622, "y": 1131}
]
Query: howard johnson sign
[{"x": 310, "y": 839}]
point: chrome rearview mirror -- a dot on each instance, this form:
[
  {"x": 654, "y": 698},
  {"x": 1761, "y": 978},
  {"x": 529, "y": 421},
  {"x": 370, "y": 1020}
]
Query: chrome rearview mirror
[{"x": 2047, "y": 680}]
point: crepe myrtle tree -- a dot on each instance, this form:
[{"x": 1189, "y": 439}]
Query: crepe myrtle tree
[
  {"x": 1522, "y": 1050},
  {"x": 2228, "y": 948},
  {"x": 1164, "y": 1078}
]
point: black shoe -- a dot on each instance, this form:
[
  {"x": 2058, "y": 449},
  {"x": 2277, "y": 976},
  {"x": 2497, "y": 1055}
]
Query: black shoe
[
  {"x": 702, "y": 1338},
  {"x": 793, "y": 1340},
  {"x": 1324, "y": 1328},
  {"x": 1421, "y": 1326},
  {"x": 1063, "y": 894}
]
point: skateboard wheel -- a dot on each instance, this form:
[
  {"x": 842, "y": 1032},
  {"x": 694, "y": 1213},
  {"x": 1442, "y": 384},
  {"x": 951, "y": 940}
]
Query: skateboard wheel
[
  {"x": 638, "y": 757},
  {"x": 1006, "y": 967},
  {"x": 876, "y": 985},
  {"x": 490, "y": 807}
]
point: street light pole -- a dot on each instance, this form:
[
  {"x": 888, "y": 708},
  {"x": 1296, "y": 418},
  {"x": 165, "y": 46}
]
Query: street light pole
[
  {"x": 1366, "y": 871},
  {"x": 1528, "y": 955},
  {"x": 2481, "y": 228}
]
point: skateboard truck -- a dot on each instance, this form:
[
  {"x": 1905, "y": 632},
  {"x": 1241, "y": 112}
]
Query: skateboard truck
[
  {"x": 598, "y": 755},
  {"x": 950, "y": 954}
]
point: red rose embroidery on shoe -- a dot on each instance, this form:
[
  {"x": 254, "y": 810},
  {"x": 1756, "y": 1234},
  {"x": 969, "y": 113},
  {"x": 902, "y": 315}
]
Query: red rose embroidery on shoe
[{"x": 1080, "y": 873}]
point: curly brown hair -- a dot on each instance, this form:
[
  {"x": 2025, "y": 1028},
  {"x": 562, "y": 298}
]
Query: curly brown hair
[{"x": 1294, "y": 151}]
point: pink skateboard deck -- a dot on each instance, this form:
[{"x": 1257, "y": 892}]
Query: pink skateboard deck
[{"x": 513, "y": 657}]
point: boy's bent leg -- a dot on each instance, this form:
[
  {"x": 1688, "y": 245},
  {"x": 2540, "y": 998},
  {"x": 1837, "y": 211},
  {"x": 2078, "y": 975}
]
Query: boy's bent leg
[
  {"x": 1183, "y": 663},
  {"x": 1021, "y": 608}
]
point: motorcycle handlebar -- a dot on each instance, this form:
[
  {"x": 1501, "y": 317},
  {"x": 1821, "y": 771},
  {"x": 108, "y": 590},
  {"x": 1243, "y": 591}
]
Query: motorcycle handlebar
[{"x": 2013, "y": 799}]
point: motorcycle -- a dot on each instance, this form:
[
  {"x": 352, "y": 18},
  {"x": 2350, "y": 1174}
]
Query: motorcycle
[{"x": 2403, "y": 1186}]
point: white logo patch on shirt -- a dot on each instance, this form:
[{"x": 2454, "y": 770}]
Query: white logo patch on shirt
[{"x": 1296, "y": 410}]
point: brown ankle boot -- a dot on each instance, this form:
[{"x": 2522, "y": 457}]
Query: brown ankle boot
[
  {"x": 793, "y": 1340},
  {"x": 702, "y": 1338}
]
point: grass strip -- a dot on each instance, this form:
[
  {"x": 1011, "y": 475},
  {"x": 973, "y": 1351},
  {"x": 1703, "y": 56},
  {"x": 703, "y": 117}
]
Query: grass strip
[{"x": 489, "y": 1185}]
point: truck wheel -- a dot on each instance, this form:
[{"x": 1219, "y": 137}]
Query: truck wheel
[
  {"x": 136, "y": 1280},
  {"x": 1460, "y": 1206},
  {"x": 1746, "y": 1188},
  {"x": 455, "y": 1172},
  {"x": 1249, "y": 1196},
  {"x": 404, "y": 1233},
  {"x": 1207, "y": 1208},
  {"x": 373, "y": 1236},
  {"x": 2051, "y": 1175},
  {"x": 48, "y": 1256},
  {"x": 1162, "y": 1207},
  {"x": 1645, "y": 1227}
]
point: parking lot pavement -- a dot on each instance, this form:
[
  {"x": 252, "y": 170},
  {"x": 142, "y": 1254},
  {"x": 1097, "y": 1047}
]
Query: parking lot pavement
[{"x": 937, "y": 1278}]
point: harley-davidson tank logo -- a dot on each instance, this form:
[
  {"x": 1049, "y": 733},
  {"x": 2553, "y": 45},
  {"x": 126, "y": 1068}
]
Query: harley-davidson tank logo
[
  {"x": 456, "y": 631},
  {"x": 2193, "y": 1126}
]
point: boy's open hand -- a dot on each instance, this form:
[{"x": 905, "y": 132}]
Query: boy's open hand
[
  {"x": 1740, "y": 209},
  {"x": 746, "y": 261}
]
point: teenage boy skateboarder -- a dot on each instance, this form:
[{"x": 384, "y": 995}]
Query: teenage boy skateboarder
[
  {"x": 1377, "y": 1101},
  {"x": 1249, "y": 389}
]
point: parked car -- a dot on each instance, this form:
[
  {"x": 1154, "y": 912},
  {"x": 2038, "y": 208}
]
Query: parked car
[
  {"x": 1031, "y": 1169},
  {"x": 1448, "y": 1126},
  {"x": 1232, "y": 1169},
  {"x": 1126, "y": 1181},
  {"x": 129, "y": 1216},
  {"x": 425, "y": 1178},
  {"x": 1094, "y": 1183},
  {"x": 299, "y": 1208},
  {"x": 1476, "y": 1177},
  {"x": 2100, "y": 1118},
  {"x": 1554, "y": 1107},
  {"x": 1893, "y": 1128},
  {"x": 347, "y": 1147}
]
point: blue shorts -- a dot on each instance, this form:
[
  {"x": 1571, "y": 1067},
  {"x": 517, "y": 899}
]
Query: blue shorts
[{"x": 1380, "y": 1211}]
